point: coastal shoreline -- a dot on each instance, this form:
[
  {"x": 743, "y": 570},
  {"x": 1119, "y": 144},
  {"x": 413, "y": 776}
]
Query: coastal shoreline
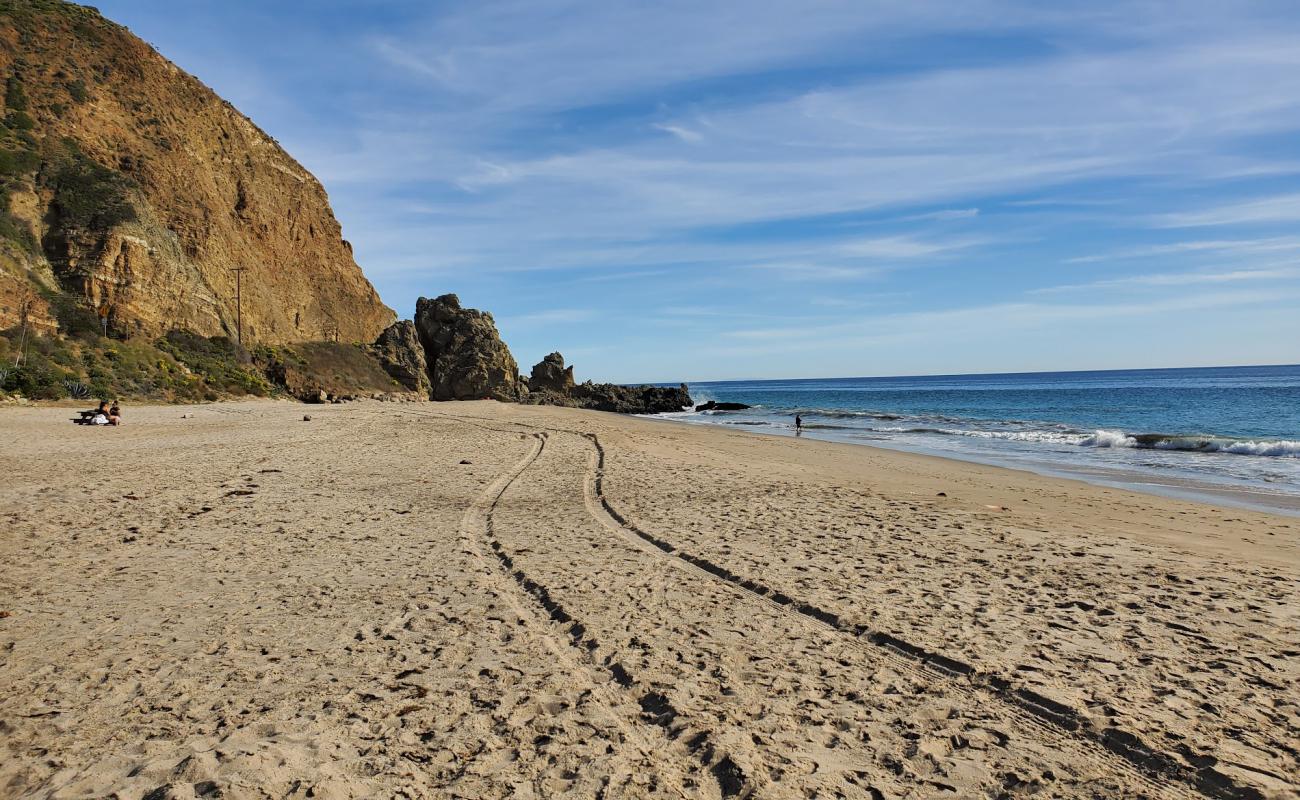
[
  {"x": 485, "y": 599},
  {"x": 1168, "y": 486}
]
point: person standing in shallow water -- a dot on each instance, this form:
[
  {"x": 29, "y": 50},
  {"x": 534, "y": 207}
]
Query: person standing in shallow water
[{"x": 798, "y": 425}]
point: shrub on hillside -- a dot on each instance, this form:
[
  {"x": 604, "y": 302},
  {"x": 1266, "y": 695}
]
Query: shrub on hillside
[
  {"x": 37, "y": 380},
  {"x": 19, "y": 121},
  {"x": 224, "y": 366},
  {"x": 14, "y": 163},
  {"x": 77, "y": 90},
  {"x": 87, "y": 195},
  {"x": 15, "y": 98},
  {"x": 75, "y": 319}
]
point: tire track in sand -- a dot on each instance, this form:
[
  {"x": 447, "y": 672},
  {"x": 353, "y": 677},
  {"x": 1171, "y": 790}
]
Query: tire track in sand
[
  {"x": 801, "y": 740},
  {"x": 1159, "y": 772},
  {"x": 1112, "y": 746},
  {"x": 655, "y": 709}
]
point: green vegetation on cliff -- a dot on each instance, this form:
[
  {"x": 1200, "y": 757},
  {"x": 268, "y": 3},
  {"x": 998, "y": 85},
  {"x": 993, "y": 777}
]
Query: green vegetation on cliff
[
  {"x": 87, "y": 196},
  {"x": 180, "y": 367}
]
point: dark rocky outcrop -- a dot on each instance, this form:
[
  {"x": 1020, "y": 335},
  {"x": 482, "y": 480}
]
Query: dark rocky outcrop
[
  {"x": 401, "y": 355},
  {"x": 631, "y": 399},
  {"x": 714, "y": 405},
  {"x": 552, "y": 384},
  {"x": 550, "y": 375},
  {"x": 466, "y": 358}
]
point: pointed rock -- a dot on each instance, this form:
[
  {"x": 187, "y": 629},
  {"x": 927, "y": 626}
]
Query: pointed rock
[
  {"x": 550, "y": 374},
  {"x": 466, "y": 358}
]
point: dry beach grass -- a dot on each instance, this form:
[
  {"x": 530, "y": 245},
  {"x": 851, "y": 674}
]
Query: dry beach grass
[{"x": 244, "y": 604}]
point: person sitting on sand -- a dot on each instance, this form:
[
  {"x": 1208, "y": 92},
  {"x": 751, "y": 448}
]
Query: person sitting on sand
[
  {"x": 107, "y": 416},
  {"x": 101, "y": 414}
]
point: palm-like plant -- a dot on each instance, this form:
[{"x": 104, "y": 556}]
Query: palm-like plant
[{"x": 76, "y": 389}]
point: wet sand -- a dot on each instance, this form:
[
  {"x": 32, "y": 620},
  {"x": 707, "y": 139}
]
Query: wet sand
[{"x": 244, "y": 604}]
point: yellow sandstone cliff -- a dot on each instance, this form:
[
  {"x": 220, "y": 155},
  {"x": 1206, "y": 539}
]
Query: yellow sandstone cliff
[{"x": 130, "y": 191}]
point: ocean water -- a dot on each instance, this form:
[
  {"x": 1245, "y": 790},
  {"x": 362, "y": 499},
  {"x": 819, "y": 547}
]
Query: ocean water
[{"x": 1228, "y": 435}]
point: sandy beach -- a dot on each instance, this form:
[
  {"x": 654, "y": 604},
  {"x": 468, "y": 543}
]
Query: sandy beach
[{"x": 478, "y": 600}]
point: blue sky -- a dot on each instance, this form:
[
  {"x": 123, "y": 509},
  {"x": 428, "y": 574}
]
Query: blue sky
[{"x": 683, "y": 190}]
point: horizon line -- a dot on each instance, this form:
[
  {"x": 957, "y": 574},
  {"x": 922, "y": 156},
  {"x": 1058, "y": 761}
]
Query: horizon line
[{"x": 967, "y": 374}]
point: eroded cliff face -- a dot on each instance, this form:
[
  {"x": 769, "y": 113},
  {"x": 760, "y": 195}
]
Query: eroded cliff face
[{"x": 132, "y": 189}]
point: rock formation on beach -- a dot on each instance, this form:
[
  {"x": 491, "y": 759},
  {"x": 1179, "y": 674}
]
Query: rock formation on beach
[
  {"x": 550, "y": 375},
  {"x": 552, "y": 383},
  {"x": 401, "y": 355},
  {"x": 632, "y": 399},
  {"x": 465, "y": 355},
  {"x": 129, "y": 190},
  {"x": 714, "y": 405}
]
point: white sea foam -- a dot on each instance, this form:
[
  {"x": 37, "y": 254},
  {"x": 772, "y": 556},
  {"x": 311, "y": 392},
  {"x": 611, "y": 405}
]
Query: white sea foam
[
  {"x": 1282, "y": 448},
  {"x": 1044, "y": 437},
  {"x": 1198, "y": 444},
  {"x": 701, "y": 397},
  {"x": 1109, "y": 439},
  {"x": 1120, "y": 439}
]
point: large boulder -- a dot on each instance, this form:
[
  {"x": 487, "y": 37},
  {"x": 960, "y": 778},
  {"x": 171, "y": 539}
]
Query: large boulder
[
  {"x": 465, "y": 355},
  {"x": 550, "y": 375},
  {"x": 401, "y": 355},
  {"x": 714, "y": 405}
]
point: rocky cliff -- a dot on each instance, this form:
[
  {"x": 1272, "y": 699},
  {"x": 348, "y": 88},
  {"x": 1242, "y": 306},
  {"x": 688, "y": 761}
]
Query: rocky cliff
[{"x": 129, "y": 191}]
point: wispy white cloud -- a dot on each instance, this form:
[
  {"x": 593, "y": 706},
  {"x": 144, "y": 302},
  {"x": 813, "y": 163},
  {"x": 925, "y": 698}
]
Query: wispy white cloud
[
  {"x": 1274, "y": 208},
  {"x": 947, "y": 213},
  {"x": 618, "y": 155},
  {"x": 904, "y": 247},
  {"x": 680, "y": 131},
  {"x": 1178, "y": 279},
  {"x": 1237, "y": 247},
  {"x": 550, "y": 316},
  {"x": 814, "y": 271},
  {"x": 1015, "y": 315},
  {"x": 437, "y": 68}
]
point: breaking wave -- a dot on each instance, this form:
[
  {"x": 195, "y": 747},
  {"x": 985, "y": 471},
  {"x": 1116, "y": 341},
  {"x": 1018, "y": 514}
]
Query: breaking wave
[
  {"x": 1140, "y": 441},
  {"x": 1119, "y": 439},
  {"x": 869, "y": 421},
  {"x": 1198, "y": 444}
]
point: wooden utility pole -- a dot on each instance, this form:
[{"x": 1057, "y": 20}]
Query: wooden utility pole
[
  {"x": 239, "y": 303},
  {"x": 26, "y": 300}
]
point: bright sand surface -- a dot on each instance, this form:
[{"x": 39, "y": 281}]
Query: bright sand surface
[{"x": 481, "y": 600}]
